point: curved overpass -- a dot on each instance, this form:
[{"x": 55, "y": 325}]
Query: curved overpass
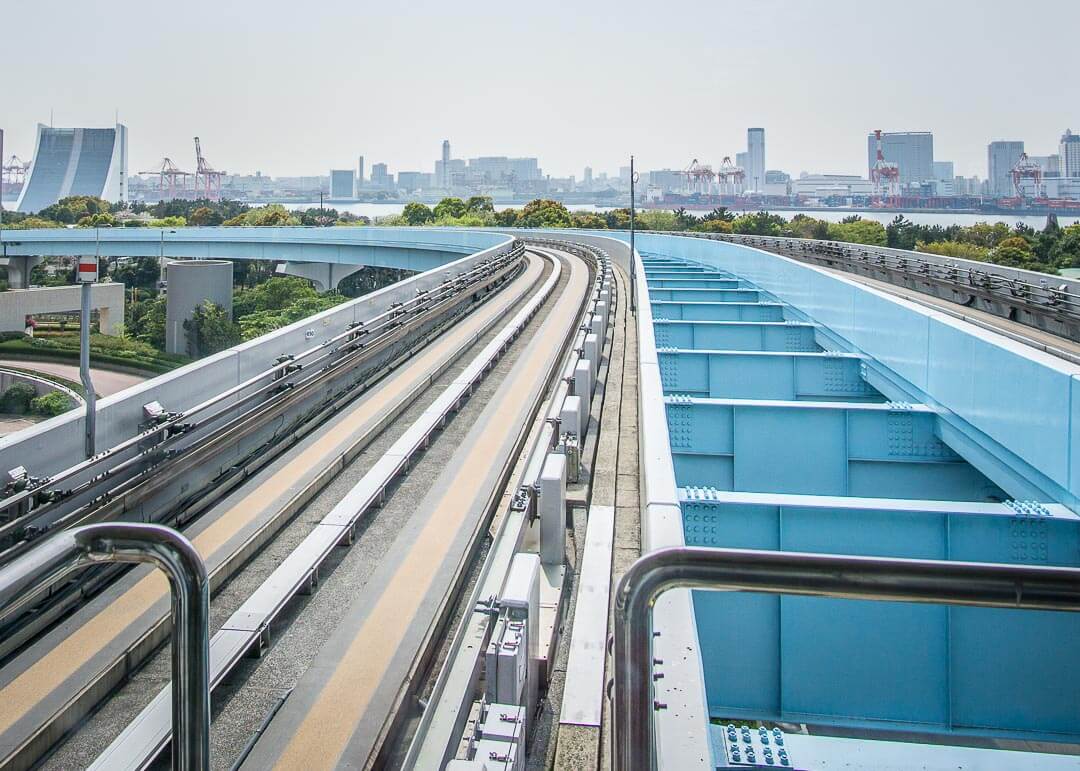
[{"x": 308, "y": 252}]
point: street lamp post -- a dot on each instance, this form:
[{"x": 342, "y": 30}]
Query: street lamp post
[
  {"x": 633, "y": 275},
  {"x": 88, "y": 274}
]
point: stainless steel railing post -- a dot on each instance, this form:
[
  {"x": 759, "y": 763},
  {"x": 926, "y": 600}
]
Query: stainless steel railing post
[
  {"x": 815, "y": 575},
  {"x": 29, "y": 575}
]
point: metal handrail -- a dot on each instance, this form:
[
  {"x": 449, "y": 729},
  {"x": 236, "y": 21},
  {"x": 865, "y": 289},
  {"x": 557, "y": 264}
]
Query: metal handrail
[
  {"x": 26, "y": 577},
  {"x": 814, "y": 575}
]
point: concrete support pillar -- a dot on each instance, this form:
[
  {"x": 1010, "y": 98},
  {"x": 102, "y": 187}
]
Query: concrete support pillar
[
  {"x": 325, "y": 275},
  {"x": 19, "y": 271}
]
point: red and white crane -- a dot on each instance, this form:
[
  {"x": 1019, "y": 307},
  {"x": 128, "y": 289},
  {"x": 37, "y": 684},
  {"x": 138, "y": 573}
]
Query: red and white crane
[
  {"x": 207, "y": 178},
  {"x": 885, "y": 177},
  {"x": 699, "y": 177},
  {"x": 730, "y": 175},
  {"x": 1025, "y": 169},
  {"x": 172, "y": 181}
]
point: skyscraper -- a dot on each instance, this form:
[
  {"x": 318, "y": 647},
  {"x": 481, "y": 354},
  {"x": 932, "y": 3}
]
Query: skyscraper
[
  {"x": 76, "y": 161},
  {"x": 911, "y": 151},
  {"x": 1000, "y": 159},
  {"x": 360, "y": 173},
  {"x": 755, "y": 156},
  {"x": 445, "y": 163},
  {"x": 342, "y": 183},
  {"x": 1069, "y": 152}
]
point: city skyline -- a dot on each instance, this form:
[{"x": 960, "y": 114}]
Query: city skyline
[{"x": 292, "y": 96}]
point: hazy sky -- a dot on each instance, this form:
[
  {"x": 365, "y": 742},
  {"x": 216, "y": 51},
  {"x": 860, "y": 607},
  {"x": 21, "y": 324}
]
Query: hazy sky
[{"x": 300, "y": 87}]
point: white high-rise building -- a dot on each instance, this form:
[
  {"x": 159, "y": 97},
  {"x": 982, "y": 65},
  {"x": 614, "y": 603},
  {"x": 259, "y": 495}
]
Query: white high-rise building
[
  {"x": 1069, "y": 154},
  {"x": 1001, "y": 157},
  {"x": 912, "y": 151},
  {"x": 755, "y": 159}
]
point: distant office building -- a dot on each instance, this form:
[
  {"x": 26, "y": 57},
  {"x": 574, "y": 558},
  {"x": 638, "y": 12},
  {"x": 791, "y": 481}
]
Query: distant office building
[
  {"x": 742, "y": 160},
  {"x": 776, "y": 182},
  {"x": 360, "y": 173},
  {"x": 822, "y": 186},
  {"x": 911, "y": 151},
  {"x": 587, "y": 182},
  {"x": 380, "y": 177},
  {"x": 667, "y": 180},
  {"x": 1050, "y": 164},
  {"x": 1001, "y": 157},
  {"x": 76, "y": 161},
  {"x": 413, "y": 181},
  {"x": 944, "y": 171},
  {"x": 624, "y": 174},
  {"x": 1069, "y": 151},
  {"x": 342, "y": 183},
  {"x": 755, "y": 159},
  {"x": 500, "y": 170},
  {"x": 445, "y": 171}
]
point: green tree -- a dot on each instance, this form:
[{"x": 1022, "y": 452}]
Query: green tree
[
  {"x": 984, "y": 234},
  {"x": 51, "y": 404},
  {"x": 451, "y": 208},
  {"x": 480, "y": 204},
  {"x": 204, "y": 216},
  {"x": 719, "y": 214},
  {"x": 684, "y": 220},
  {"x": 210, "y": 330},
  {"x": 958, "y": 249},
  {"x": 16, "y": 399},
  {"x": 1065, "y": 251},
  {"x": 858, "y": 231},
  {"x": 588, "y": 220},
  {"x": 759, "y": 223},
  {"x": 507, "y": 218},
  {"x": 141, "y": 272},
  {"x": 544, "y": 213},
  {"x": 319, "y": 217},
  {"x": 803, "y": 226},
  {"x": 417, "y": 214},
  {"x": 713, "y": 226},
  {"x": 147, "y": 322}
]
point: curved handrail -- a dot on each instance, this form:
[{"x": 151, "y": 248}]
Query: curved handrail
[
  {"x": 814, "y": 575},
  {"x": 23, "y": 579}
]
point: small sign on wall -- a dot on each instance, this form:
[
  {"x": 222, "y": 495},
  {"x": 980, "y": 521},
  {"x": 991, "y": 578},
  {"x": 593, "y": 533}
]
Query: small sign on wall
[{"x": 88, "y": 269}]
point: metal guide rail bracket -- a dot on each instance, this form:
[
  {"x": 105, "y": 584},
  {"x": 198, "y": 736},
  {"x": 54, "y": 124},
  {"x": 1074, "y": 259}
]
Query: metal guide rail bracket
[{"x": 258, "y": 390}]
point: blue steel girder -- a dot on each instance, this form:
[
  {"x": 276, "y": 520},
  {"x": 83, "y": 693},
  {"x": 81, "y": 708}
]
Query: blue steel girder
[
  {"x": 695, "y": 283},
  {"x": 714, "y": 311},
  {"x": 819, "y": 448},
  {"x": 706, "y": 295},
  {"x": 824, "y": 376},
  {"x": 737, "y": 335},
  {"x": 887, "y": 665}
]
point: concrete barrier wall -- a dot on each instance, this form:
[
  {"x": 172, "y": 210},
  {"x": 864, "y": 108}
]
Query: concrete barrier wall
[{"x": 17, "y": 304}]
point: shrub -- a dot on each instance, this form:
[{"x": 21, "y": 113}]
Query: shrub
[
  {"x": 17, "y": 399},
  {"x": 51, "y": 404}
]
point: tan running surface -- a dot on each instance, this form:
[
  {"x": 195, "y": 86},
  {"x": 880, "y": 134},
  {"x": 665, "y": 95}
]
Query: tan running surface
[{"x": 320, "y": 738}]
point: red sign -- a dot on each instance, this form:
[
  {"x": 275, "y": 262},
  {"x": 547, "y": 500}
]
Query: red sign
[{"x": 88, "y": 269}]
